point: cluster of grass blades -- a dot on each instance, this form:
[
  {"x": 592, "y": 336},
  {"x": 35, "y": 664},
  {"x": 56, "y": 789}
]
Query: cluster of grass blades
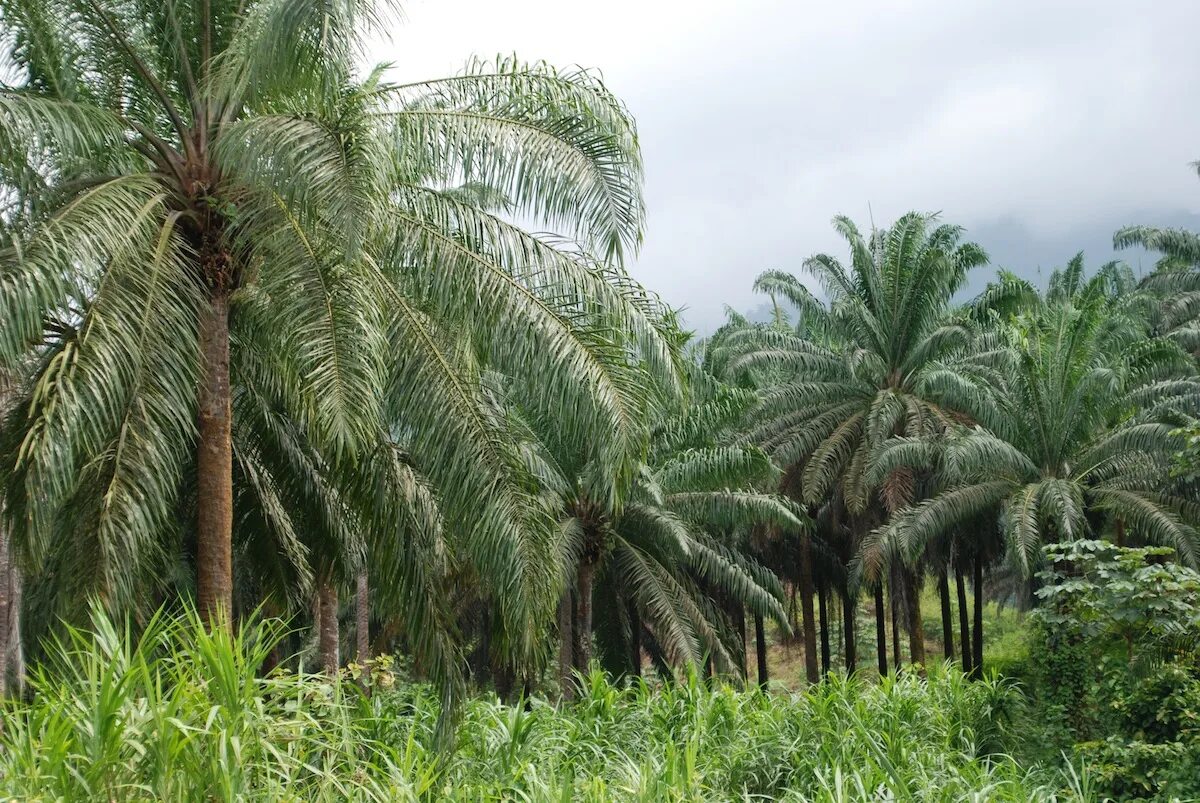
[{"x": 178, "y": 713}]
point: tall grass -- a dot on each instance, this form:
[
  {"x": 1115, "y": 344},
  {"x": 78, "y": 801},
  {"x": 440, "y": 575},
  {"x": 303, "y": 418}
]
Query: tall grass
[{"x": 178, "y": 713}]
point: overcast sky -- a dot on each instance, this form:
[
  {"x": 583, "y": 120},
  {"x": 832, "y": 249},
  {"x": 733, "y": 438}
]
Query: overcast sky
[{"x": 1040, "y": 126}]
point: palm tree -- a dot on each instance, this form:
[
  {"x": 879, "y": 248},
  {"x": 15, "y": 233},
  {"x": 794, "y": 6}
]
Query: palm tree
[
  {"x": 201, "y": 178},
  {"x": 882, "y": 360},
  {"x": 1175, "y": 281},
  {"x": 1078, "y": 443}
]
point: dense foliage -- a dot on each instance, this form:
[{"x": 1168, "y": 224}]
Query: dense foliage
[
  {"x": 279, "y": 344},
  {"x": 182, "y": 714}
]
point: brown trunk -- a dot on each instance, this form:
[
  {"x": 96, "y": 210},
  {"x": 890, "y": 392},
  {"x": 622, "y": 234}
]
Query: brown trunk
[
  {"x": 760, "y": 648},
  {"x": 943, "y": 585},
  {"x": 566, "y": 646},
  {"x": 740, "y": 623},
  {"x": 849, "y": 627},
  {"x": 328, "y": 633},
  {"x": 880, "y": 631},
  {"x": 583, "y": 616},
  {"x": 964, "y": 624},
  {"x": 977, "y": 639},
  {"x": 362, "y": 619},
  {"x": 214, "y": 470},
  {"x": 823, "y": 626},
  {"x": 916, "y": 627},
  {"x": 805, "y": 592},
  {"x": 1120, "y": 532}
]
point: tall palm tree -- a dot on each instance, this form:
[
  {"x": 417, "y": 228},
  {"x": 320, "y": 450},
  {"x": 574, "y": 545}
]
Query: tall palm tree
[
  {"x": 1078, "y": 443},
  {"x": 201, "y": 176},
  {"x": 881, "y": 360}
]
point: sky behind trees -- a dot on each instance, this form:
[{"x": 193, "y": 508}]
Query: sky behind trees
[{"x": 1041, "y": 126}]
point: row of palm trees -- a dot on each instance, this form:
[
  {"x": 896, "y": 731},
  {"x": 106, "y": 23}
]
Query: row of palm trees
[
  {"x": 273, "y": 341},
  {"x": 931, "y": 437},
  {"x": 273, "y": 335}
]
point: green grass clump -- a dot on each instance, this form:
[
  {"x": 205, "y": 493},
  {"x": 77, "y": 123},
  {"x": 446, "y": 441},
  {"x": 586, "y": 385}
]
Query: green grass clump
[{"x": 178, "y": 713}]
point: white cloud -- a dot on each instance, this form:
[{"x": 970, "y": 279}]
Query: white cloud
[{"x": 761, "y": 120}]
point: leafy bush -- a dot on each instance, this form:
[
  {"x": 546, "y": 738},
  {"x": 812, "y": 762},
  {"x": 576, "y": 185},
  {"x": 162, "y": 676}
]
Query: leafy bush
[{"x": 1116, "y": 666}]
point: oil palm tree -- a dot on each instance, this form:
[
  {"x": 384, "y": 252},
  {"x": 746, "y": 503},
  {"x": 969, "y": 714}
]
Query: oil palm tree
[
  {"x": 196, "y": 178},
  {"x": 882, "y": 360},
  {"x": 1078, "y": 443}
]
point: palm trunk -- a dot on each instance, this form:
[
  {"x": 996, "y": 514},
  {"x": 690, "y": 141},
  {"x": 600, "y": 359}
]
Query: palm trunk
[
  {"x": 328, "y": 636},
  {"x": 583, "y": 616},
  {"x": 5, "y": 600},
  {"x": 916, "y": 626},
  {"x": 943, "y": 585},
  {"x": 964, "y": 624},
  {"x": 14, "y": 659},
  {"x": 635, "y": 641},
  {"x": 760, "y": 648},
  {"x": 977, "y": 640},
  {"x": 880, "y": 631},
  {"x": 566, "y": 645},
  {"x": 740, "y": 621},
  {"x": 894, "y": 604},
  {"x": 849, "y": 609},
  {"x": 805, "y": 592},
  {"x": 362, "y": 619},
  {"x": 214, "y": 469},
  {"x": 823, "y": 619}
]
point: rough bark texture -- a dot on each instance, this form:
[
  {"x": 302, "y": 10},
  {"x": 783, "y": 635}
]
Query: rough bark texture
[
  {"x": 14, "y": 658},
  {"x": 977, "y": 639},
  {"x": 362, "y": 619},
  {"x": 881, "y": 640},
  {"x": 760, "y": 648},
  {"x": 849, "y": 629},
  {"x": 583, "y": 615},
  {"x": 328, "y": 633},
  {"x": 964, "y": 624},
  {"x": 943, "y": 585},
  {"x": 566, "y": 646},
  {"x": 214, "y": 470},
  {"x": 805, "y": 592}
]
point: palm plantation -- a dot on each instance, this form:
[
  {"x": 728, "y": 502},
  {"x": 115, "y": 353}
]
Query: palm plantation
[{"x": 342, "y": 458}]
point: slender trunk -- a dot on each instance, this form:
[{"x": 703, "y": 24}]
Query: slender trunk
[
  {"x": 328, "y": 634},
  {"x": 566, "y": 645},
  {"x": 943, "y": 585},
  {"x": 583, "y": 616},
  {"x": 362, "y": 619},
  {"x": 880, "y": 631},
  {"x": 964, "y": 624},
  {"x": 760, "y": 648},
  {"x": 214, "y": 469},
  {"x": 805, "y": 592},
  {"x": 271, "y": 611},
  {"x": 1120, "y": 537},
  {"x": 14, "y": 658},
  {"x": 977, "y": 640},
  {"x": 5, "y": 599},
  {"x": 740, "y": 623},
  {"x": 916, "y": 626},
  {"x": 635, "y": 640},
  {"x": 849, "y": 625},
  {"x": 894, "y": 604},
  {"x": 823, "y": 625}
]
